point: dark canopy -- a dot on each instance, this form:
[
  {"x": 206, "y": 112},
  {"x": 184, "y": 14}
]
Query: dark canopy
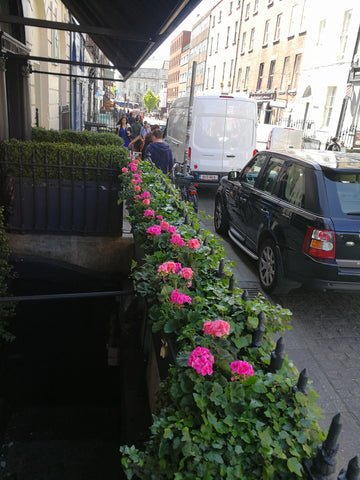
[{"x": 133, "y": 29}]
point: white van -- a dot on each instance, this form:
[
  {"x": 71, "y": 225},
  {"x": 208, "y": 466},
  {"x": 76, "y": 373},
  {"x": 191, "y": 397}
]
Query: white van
[
  {"x": 283, "y": 138},
  {"x": 222, "y": 134}
]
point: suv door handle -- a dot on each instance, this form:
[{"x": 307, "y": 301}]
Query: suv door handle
[
  {"x": 265, "y": 211},
  {"x": 230, "y": 155}
]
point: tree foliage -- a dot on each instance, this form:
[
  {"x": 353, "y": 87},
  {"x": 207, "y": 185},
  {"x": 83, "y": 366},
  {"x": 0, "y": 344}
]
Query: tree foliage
[{"x": 151, "y": 100}]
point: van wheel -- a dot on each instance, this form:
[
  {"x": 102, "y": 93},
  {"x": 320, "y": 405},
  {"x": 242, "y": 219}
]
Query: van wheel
[
  {"x": 221, "y": 217},
  {"x": 268, "y": 266}
]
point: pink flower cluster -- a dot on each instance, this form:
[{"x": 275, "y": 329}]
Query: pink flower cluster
[
  {"x": 202, "y": 361},
  {"x": 179, "y": 298},
  {"x": 149, "y": 213},
  {"x": 168, "y": 267},
  {"x": 241, "y": 369},
  {"x": 186, "y": 273},
  {"x": 194, "y": 243},
  {"x": 176, "y": 240},
  {"x": 154, "y": 230},
  {"x": 218, "y": 328}
]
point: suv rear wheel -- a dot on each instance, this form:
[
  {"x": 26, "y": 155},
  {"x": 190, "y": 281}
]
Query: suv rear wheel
[
  {"x": 221, "y": 218},
  {"x": 268, "y": 266}
]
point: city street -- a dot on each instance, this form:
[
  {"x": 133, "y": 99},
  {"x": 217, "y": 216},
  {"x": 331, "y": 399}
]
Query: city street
[{"x": 324, "y": 339}]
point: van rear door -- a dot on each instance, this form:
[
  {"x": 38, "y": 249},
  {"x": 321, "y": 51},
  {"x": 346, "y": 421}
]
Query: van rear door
[
  {"x": 240, "y": 133},
  {"x": 207, "y": 137}
]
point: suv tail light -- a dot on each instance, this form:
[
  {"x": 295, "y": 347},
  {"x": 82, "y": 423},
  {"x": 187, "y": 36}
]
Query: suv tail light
[
  {"x": 189, "y": 153},
  {"x": 319, "y": 243}
]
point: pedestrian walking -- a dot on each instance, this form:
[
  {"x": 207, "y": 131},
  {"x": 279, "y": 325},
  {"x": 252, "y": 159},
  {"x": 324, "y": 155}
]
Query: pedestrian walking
[
  {"x": 124, "y": 130},
  {"x": 333, "y": 145},
  {"x": 159, "y": 152}
]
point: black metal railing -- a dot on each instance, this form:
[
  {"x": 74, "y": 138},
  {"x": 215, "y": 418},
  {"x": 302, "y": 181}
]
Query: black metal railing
[{"x": 61, "y": 198}]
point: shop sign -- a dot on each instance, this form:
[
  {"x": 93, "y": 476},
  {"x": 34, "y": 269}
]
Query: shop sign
[{"x": 262, "y": 96}]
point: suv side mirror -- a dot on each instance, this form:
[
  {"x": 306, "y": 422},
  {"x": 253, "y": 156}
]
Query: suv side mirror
[{"x": 234, "y": 176}]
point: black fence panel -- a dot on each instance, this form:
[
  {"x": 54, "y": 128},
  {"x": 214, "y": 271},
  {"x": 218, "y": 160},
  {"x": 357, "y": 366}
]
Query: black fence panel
[{"x": 61, "y": 206}]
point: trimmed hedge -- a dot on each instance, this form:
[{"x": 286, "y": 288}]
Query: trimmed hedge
[
  {"x": 85, "y": 137},
  {"x": 34, "y": 155},
  {"x": 211, "y": 423},
  {"x": 6, "y": 275}
]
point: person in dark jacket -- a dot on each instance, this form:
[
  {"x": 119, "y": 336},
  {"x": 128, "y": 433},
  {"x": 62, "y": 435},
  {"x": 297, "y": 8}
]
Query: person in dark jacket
[
  {"x": 333, "y": 145},
  {"x": 159, "y": 152},
  {"x": 147, "y": 140}
]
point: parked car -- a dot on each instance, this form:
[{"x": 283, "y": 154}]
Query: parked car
[{"x": 297, "y": 213}]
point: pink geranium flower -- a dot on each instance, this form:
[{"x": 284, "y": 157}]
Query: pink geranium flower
[
  {"x": 124, "y": 170},
  {"x": 164, "y": 226},
  {"x": 137, "y": 188},
  {"x": 133, "y": 168},
  {"x": 177, "y": 240},
  {"x": 146, "y": 201},
  {"x": 149, "y": 213},
  {"x": 136, "y": 177},
  {"x": 179, "y": 298},
  {"x": 172, "y": 229},
  {"x": 159, "y": 217},
  {"x": 193, "y": 243},
  {"x": 202, "y": 361},
  {"x": 218, "y": 328},
  {"x": 186, "y": 273},
  {"x": 146, "y": 194},
  {"x": 166, "y": 268},
  {"x": 241, "y": 369},
  {"x": 154, "y": 230}
]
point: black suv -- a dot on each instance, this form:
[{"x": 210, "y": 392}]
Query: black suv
[{"x": 298, "y": 213}]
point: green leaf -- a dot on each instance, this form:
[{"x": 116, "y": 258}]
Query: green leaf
[{"x": 294, "y": 466}]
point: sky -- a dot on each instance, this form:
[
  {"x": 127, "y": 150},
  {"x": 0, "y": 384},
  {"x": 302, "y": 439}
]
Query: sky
[{"x": 163, "y": 52}]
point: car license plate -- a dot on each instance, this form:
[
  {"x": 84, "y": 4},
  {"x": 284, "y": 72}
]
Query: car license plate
[{"x": 208, "y": 177}]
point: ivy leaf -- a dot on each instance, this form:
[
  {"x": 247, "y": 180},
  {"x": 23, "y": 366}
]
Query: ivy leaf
[{"x": 294, "y": 466}]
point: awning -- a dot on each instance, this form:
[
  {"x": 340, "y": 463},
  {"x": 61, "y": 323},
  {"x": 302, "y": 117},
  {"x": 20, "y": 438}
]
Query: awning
[{"x": 131, "y": 30}]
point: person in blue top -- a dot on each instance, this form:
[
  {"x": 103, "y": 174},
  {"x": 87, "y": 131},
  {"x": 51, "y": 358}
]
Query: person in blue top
[
  {"x": 124, "y": 131},
  {"x": 159, "y": 152}
]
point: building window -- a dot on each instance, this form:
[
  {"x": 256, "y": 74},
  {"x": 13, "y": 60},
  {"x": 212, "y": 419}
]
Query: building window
[
  {"x": 213, "y": 79},
  {"x": 55, "y": 43},
  {"x": 223, "y": 72},
  {"x": 247, "y": 11},
  {"x": 293, "y": 18},
  {"x": 217, "y": 42},
  {"x": 251, "y": 43},
  {"x": 238, "y": 4},
  {"x": 304, "y": 18},
  {"x": 243, "y": 43},
  {"x": 285, "y": 74},
  {"x": 230, "y": 8},
  {"x": 246, "y": 79},
  {"x": 211, "y": 45},
  {"x": 220, "y": 16},
  {"x": 330, "y": 97},
  {"x": 271, "y": 74},
  {"x": 213, "y": 21},
  {"x": 344, "y": 34},
  {"x": 296, "y": 75},
  {"x": 227, "y": 37},
  {"x": 238, "y": 79},
  {"x": 256, "y": 7},
  {"x": 231, "y": 69},
  {"x": 277, "y": 28},
  {"x": 266, "y": 32},
  {"x": 236, "y": 32},
  {"x": 321, "y": 33},
  {"x": 208, "y": 77},
  {"x": 260, "y": 77}
]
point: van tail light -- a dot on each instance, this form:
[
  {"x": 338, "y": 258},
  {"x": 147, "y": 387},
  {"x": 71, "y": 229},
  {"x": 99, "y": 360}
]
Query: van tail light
[
  {"x": 319, "y": 243},
  {"x": 189, "y": 153}
]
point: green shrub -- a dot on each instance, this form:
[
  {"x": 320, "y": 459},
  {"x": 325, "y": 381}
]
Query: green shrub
[
  {"x": 215, "y": 424},
  {"x": 39, "y": 159},
  {"x": 70, "y": 136}
]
